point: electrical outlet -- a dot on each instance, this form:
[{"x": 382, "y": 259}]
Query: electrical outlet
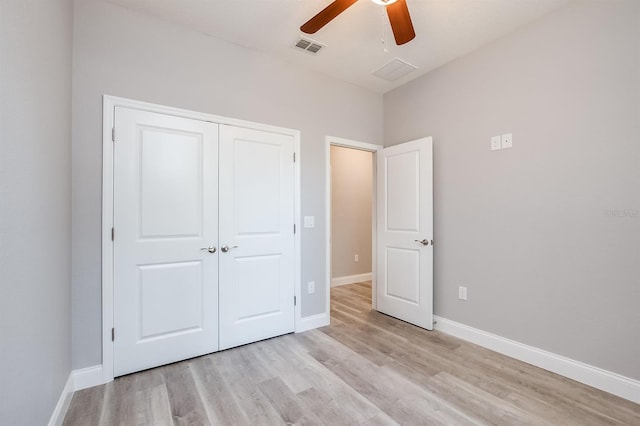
[
  {"x": 507, "y": 141},
  {"x": 311, "y": 287},
  {"x": 356, "y": 258},
  {"x": 495, "y": 143},
  {"x": 462, "y": 293}
]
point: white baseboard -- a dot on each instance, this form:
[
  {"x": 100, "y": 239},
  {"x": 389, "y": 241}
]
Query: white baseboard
[
  {"x": 313, "y": 321},
  {"x": 78, "y": 380},
  {"x": 351, "y": 279},
  {"x": 607, "y": 381},
  {"x": 87, "y": 377},
  {"x": 63, "y": 403}
]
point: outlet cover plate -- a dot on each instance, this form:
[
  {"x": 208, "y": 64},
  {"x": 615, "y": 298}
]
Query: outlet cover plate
[{"x": 507, "y": 141}]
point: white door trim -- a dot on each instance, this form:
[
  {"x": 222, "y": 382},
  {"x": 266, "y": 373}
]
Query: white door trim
[
  {"x": 363, "y": 146},
  {"x": 109, "y": 105}
]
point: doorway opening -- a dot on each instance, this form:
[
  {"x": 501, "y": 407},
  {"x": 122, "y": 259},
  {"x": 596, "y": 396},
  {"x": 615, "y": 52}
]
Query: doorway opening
[{"x": 351, "y": 222}]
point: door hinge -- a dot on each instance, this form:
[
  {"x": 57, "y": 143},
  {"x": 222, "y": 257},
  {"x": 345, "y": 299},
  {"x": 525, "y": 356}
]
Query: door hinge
[
  {"x": 113, "y": 234},
  {"x": 294, "y": 228},
  {"x": 113, "y": 334},
  {"x": 295, "y": 301},
  {"x": 113, "y": 134},
  {"x": 294, "y": 157}
]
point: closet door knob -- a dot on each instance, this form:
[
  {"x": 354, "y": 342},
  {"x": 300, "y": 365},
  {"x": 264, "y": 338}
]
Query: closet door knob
[
  {"x": 424, "y": 242},
  {"x": 225, "y": 248},
  {"x": 210, "y": 249}
]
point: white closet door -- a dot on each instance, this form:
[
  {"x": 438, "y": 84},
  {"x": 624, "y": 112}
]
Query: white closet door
[
  {"x": 405, "y": 232},
  {"x": 256, "y": 224},
  {"x": 165, "y": 212}
]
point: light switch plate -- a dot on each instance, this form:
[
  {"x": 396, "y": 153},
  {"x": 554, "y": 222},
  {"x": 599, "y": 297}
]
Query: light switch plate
[
  {"x": 507, "y": 141},
  {"x": 495, "y": 143},
  {"x": 309, "y": 221},
  {"x": 462, "y": 293},
  {"x": 311, "y": 287}
]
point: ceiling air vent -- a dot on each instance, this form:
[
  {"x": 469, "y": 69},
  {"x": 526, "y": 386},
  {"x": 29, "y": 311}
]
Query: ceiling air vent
[
  {"x": 394, "y": 70},
  {"x": 308, "y": 45}
]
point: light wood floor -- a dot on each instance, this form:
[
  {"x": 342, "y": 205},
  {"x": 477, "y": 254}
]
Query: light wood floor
[{"x": 365, "y": 368}]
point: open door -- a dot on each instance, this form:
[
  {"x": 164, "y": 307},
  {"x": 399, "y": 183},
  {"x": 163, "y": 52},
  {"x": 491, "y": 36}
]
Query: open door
[{"x": 405, "y": 232}]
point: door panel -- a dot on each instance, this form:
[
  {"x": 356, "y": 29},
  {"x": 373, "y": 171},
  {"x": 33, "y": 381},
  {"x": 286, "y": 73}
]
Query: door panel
[
  {"x": 405, "y": 217},
  {"x": 402, "y": 172},
  {"x": 403, "y": 274},
  {"x": 256, "y": 223},
  {"x": 171, "y": 164},
  {"x": 165, "y": 211},
  {"x": 256, "y": 277},
  {"x": 170, "y": 287},
  {"x": 257, "y": 187}
]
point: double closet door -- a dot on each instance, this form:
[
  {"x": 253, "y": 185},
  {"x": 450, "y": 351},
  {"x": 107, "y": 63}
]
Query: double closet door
[{"x": 203, "y": 238}]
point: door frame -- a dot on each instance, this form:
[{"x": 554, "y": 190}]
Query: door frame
[
  {"x": 108, "y": 120},
  {"x": 362, "y": 146}
]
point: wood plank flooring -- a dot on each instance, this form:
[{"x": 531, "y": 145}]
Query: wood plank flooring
[{"x": 364, "y": 369}]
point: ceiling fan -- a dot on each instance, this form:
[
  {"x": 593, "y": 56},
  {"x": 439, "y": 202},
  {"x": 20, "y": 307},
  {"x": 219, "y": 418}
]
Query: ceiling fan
[{"x": 397, "y": 11}]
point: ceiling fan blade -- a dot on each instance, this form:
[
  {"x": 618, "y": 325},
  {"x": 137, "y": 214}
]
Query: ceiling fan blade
[
  {"x": 400, "y": 20},
  {"x": 326, "y": 15}
]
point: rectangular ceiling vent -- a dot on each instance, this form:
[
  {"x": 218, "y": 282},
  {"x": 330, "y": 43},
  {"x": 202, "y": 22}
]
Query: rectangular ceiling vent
[
  {"x": 394, "y": 70},
  {"x": 308, "y": 45}
]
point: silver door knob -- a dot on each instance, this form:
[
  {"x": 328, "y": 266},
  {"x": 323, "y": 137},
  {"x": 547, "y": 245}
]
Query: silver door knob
[
  {"x": 210, "y": 249},
  {"x": 424, "y": 242},
  {"x": 225, "y": 248}
]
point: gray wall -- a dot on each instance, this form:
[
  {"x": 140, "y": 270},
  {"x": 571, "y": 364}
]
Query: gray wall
[
  {"x": 122, "y": 53},
  {"x": 546, "y": 235},
  {"x": 35, "y": 203},
  {"x": 351, "y": 188}
]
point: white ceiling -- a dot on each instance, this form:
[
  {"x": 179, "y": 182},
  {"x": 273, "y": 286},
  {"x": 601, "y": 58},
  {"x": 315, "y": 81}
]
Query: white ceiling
[{"x": 445, "y": 30}]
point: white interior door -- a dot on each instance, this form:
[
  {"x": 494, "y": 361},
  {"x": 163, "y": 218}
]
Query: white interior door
[
  {"x": 405, "y": 232},
  {"x": 165, "y": 213},
  {"x": 256, "y": 235}
]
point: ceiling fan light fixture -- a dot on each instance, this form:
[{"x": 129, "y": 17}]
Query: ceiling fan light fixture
[
  {"x": 384, "y": 2},
  {"x": 397, "y": 11}
]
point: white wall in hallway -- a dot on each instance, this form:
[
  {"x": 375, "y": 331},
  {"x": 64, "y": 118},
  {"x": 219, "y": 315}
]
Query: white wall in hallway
[{"x": 351, "y": 190}]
